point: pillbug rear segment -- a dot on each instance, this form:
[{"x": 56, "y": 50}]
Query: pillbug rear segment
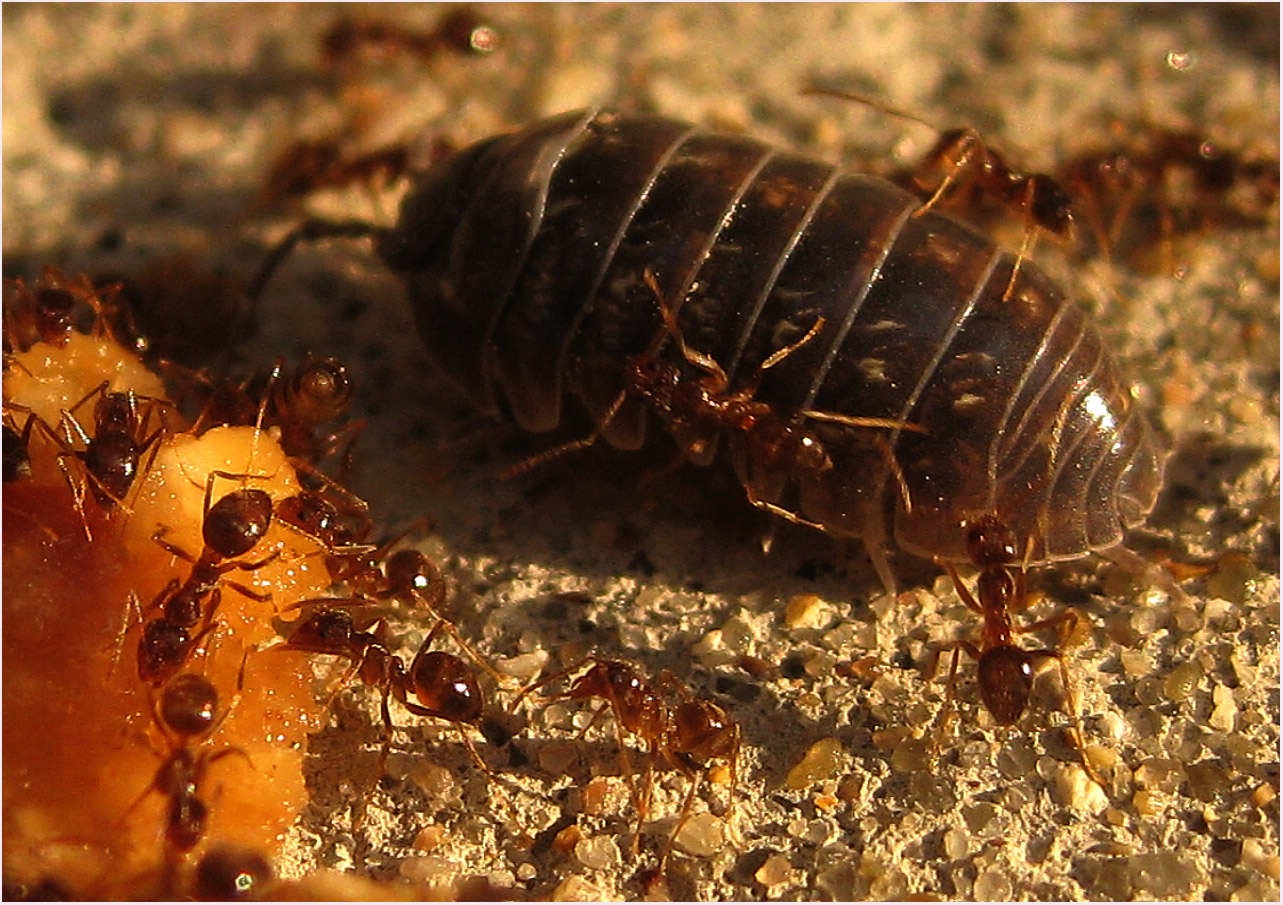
[{"x": 526, "y": 258}]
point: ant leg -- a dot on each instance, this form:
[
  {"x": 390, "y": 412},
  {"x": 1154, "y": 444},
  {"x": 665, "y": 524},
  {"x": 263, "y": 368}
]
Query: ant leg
[
  {"x": 1072, "y": 698},
  {"x": 946, "y": 710},
  {"x": 561, "y": 674},
  {"x": 132, "y": 606},
  {"x": 448, "y": 626},
  {"x": 963, "y": 594},
  {"x": 692, "y": 779}
]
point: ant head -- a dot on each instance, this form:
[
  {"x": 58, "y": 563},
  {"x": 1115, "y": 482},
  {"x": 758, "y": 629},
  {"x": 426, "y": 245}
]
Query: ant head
[
  {"x": 326, "y": 631},
  {"x": 231, "y": 874},
  {"x": 309, "y": 512},
  {"x": 53, "y": 313},
  {"x": 990, "y": 542},
  {"x": 237, "y": 522},
  {"x": 410, "y": 572},
  {"x": 321, "y": 390},
  {"x": 653, "y": 379}
]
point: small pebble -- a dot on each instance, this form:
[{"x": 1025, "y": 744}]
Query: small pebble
[
  {"x": 956, "y": 844},
  {"x": 430, "y": 870},
  {"x": 992, "y": 886},
  {"x": 566, "y": 840},
  {"x": 576, "y": 889},
  {"x": 1224, "y": 709},
  {"x": 774, "y": 871},
  {"x": 819, "y": 763},
  {"x": 556, "y": 757},
  {"x": 912, "y": 754},
  {"x": 805, "y": 611},
  {"x": 430, "y": 837},
  {"x": 1077, "y": 790},
  {"x": 1160, "y": 774},
  {"x": 597, "y": 852},
  {"x": 703, "y": 835},
  {"x": 1182, "y": 681}
]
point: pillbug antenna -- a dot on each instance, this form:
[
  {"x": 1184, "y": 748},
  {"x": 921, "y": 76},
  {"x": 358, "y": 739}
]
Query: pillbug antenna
[{"x": 307, "y": 232}]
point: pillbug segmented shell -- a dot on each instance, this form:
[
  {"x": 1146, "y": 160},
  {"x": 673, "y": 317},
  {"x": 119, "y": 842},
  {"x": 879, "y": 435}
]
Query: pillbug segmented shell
[{"x": 526, "y": 258}]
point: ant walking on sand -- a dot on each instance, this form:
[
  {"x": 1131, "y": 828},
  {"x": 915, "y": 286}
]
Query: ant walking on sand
[
  {"x": 437, "y": 684},
  {"x": 686, "y": 734},
  {"x": 1004, "y": 670}
]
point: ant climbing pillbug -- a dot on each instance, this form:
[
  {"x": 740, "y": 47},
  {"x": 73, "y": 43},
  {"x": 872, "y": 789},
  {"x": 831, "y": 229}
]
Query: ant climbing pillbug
[
  {"x": 686, "y": 734},
  {"x": 230, "y": 528},
  {"x": 1005, "y": 671}
]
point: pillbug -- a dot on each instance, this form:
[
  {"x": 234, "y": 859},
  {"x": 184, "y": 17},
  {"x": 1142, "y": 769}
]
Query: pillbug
[{"x": 533, "y": 260}]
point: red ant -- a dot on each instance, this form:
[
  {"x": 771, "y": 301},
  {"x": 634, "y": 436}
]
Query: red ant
[
  {"x": 461, "y": 30},
  {"x": 186, "y": 713},
  {"x": 47, "y": 311},
  {"x": 111, "y": 458},
  {"x": 773, "y": 448},
  {"x": 230, "y": 528},
  {"x": 962, "y": 172},
  {"x": 1005, "y": 671},
  {"x": 686, "y": 735},
  {"x": 444, "y": 687},
  {"x": 1167, "y": 183}
]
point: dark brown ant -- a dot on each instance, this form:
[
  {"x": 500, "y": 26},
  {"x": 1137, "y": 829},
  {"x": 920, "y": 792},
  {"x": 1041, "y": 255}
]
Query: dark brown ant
[
  {"x": 303, "y": 405},
  {"x": 1152, "y": 188},
  {"x": 1004, "y": 671},
  {"x": 686, "y": 735},
  {"x": 228, "y": 873},
  {"x": 113, "y": 457},
  {"x": 442, "y": 685},
  {"x": 186, "y": 713},
  {"x": 52, "y": 310},
  {"x": 230, "y": 528}
]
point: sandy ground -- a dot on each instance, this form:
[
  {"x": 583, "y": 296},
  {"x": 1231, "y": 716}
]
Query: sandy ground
[{"x": 134, "y": 132}]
